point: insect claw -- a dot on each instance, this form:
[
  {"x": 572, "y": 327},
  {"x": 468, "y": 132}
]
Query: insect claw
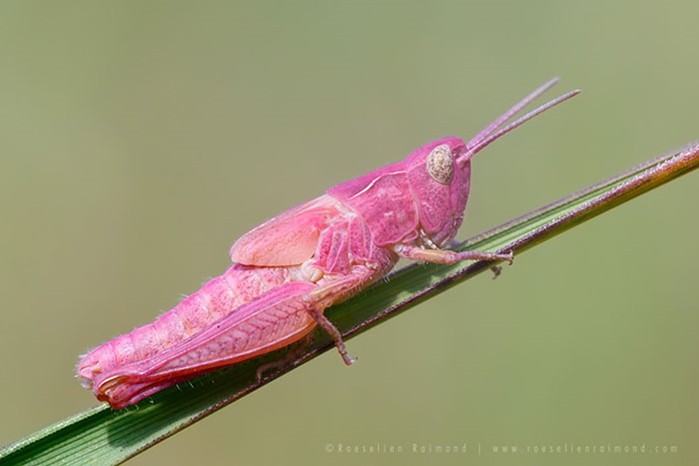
[
  {"x": 346, "y": 358},
  {"x": 509, "y": 257},
  {"x": 334, "y": 334}
]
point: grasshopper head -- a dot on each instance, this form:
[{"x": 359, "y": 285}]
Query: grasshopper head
[
  {"x": 440, "y": 182},
  {"x": 440, "y": 172}
]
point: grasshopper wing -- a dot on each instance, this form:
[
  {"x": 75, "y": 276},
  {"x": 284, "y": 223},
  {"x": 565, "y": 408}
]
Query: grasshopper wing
[{"x": 290, "y": 238}]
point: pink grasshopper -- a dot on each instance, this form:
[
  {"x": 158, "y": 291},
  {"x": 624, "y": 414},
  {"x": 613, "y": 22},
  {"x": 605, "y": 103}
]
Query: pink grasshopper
[{"x": 288, "y": 270}]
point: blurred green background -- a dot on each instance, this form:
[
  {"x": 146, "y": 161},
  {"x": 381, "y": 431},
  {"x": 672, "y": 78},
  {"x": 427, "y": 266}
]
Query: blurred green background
[{"x": 139, "y": 139}]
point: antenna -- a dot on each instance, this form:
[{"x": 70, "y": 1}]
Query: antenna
[{"x": 491, "y": 132}]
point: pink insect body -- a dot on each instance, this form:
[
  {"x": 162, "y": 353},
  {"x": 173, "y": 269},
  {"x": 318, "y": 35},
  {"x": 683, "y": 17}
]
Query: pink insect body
[{"x": 288, "y": 270}]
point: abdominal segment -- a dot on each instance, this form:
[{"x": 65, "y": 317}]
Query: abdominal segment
[
  {"x": 268, "y": 322},
  {"x": 216, "y": 299}
]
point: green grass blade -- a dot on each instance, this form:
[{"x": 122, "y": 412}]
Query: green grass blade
[{"x": 104, "y": 436}]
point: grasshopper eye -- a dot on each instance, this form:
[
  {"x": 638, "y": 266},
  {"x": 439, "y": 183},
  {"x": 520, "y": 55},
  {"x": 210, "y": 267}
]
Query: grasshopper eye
[{"x": 439, "y": 164}]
